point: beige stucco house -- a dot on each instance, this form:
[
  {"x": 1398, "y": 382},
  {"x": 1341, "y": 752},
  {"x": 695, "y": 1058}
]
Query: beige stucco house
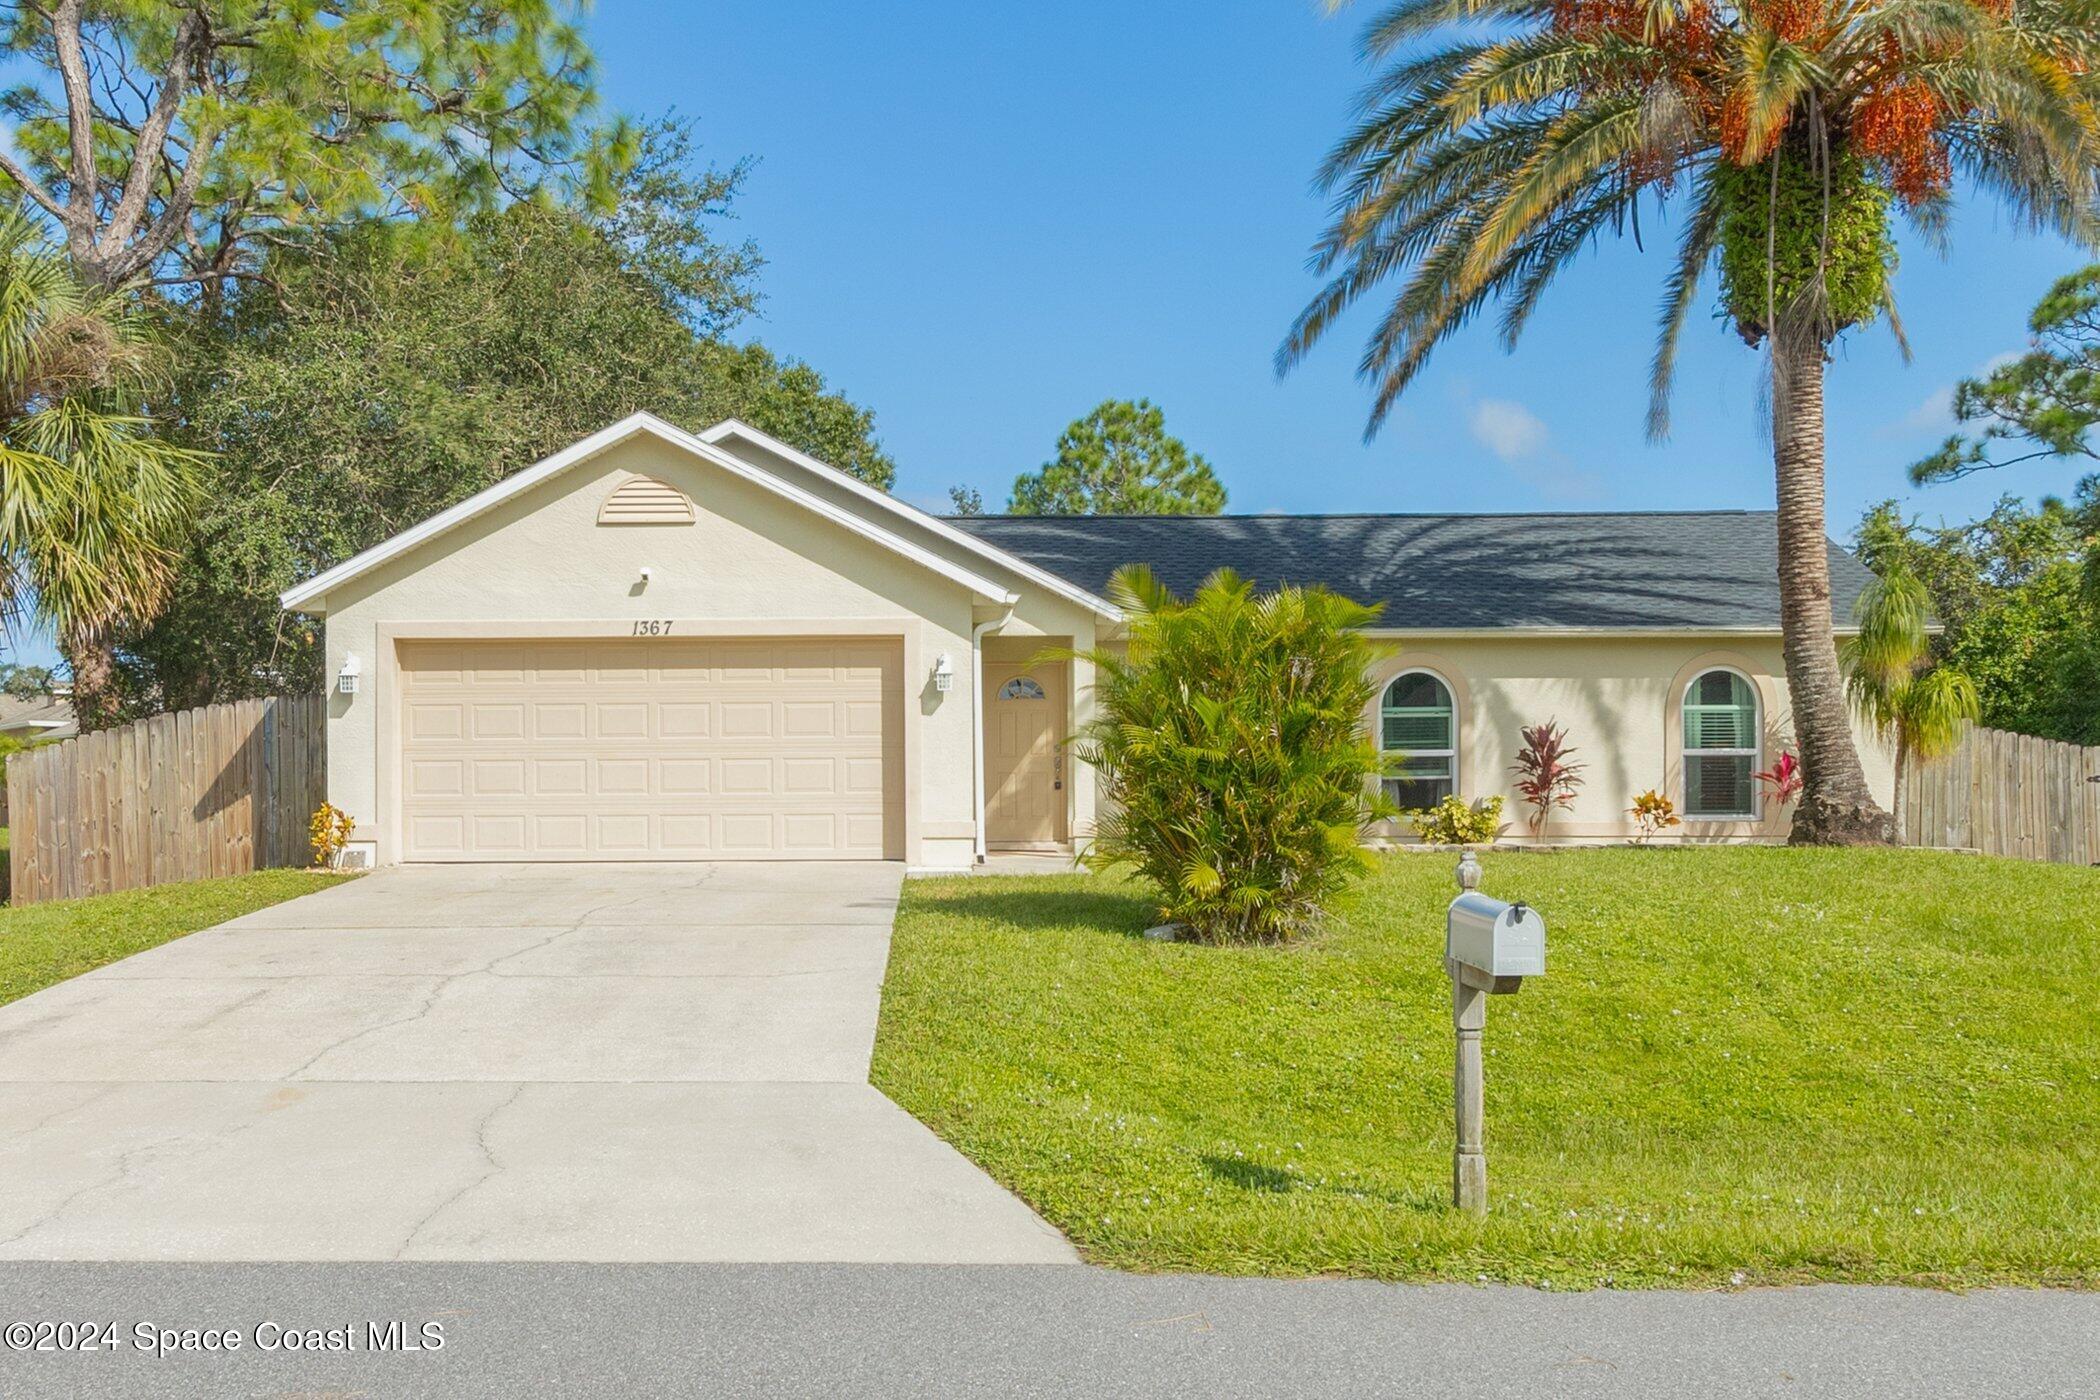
[{"x": 661, "y": 645}]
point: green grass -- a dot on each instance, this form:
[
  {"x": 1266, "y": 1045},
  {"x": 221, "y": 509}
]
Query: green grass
[
  {"x": 1745, "y": 1065},
  {"x": 43, "y": 944}
]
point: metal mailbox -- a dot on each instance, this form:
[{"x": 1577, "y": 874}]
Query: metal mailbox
[{"x": 1496, "y": 939}]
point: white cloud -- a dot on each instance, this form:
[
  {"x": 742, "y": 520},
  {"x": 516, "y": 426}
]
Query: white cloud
[
  {"x": 1524, "y": 443},
  {"x": 1508, "y": 429},
  {"x": 1934, "y": 414}
]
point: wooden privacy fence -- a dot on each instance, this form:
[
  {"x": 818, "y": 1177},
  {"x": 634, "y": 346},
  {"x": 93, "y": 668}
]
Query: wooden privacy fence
[
  {"x": 2008, "y": 795},
  {"x": 187, "y": 796}
]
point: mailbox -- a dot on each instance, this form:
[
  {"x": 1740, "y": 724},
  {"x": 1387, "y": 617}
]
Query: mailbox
[
  {"x": 1496, "y": 939},
  {"x": 1489, "y": 947}
]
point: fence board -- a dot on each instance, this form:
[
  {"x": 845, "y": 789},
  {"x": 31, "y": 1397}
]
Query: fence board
[
  {"x": 218, "y": 791},
  {"x": 2010, "y": 795}
]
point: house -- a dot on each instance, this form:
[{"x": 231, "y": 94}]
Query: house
[
  {"x": 664, "y": 645},
  {"x": 36, "y": 718}
]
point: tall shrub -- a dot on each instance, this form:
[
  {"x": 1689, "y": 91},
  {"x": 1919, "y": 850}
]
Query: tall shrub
[
  {"x": 1231, "y": 748},
  {"x": 1546, "y": 778}
]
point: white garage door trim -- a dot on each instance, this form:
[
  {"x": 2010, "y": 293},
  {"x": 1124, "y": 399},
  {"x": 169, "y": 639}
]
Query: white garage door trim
[{"x": 899, "y": 743}]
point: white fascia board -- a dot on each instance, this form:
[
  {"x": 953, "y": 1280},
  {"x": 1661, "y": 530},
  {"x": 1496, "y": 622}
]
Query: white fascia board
[
  {"x": 1064, "y": 588},
  {"x": 601, "y": 441}
]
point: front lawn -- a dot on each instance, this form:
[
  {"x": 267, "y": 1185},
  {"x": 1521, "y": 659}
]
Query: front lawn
[
  {"x": 41, "y": 944},
  {"x": 1745, "y": 1065}
]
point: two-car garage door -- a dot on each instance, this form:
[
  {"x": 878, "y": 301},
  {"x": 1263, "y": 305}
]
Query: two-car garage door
[{"x": 651, "y": 748}]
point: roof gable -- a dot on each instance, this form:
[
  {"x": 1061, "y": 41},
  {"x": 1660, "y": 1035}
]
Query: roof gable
[
  {"x": 936, "y": 525},
  {"x": 316, "y": 589}
]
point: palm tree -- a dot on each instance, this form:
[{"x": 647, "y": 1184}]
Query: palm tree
[
  {"x": 91, "y": 503},
  {"x": 1502, "y": 137},
  {"x": 1893, "y": 686}
]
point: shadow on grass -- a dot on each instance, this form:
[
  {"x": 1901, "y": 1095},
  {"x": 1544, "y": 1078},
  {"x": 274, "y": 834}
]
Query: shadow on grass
[
  {"x": 1248, "y": 1176},
  {"x": 1125, "y": 915},
  {"x": 1428, "y": 1199}
]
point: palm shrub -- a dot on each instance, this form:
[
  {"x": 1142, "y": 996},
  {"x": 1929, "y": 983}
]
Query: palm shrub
[
  {"x": 1232, "y": 752},
  {"x": 92, "y": 503},
  {"x": 1893, "y": 684}
]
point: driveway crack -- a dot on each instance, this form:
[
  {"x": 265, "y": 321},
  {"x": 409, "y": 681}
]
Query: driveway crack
[
  {"x": 445, "y": 981},
  {"x": 491, "y": 1169}
]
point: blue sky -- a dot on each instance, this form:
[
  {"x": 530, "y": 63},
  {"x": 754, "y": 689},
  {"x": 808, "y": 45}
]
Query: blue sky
[{"x": 981, "y": 220}]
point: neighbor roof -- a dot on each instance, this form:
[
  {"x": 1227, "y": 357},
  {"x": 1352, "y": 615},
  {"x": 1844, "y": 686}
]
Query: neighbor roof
[
  {"x": 37, "y": 716},
  {"x": 1610, "y": 571}
]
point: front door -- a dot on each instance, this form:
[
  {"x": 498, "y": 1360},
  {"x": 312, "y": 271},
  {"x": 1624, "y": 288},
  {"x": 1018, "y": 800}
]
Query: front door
[{"x": 1024, "y": 762}]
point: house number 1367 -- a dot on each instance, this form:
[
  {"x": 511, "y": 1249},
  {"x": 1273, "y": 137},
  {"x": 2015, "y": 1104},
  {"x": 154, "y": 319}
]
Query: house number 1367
[{"x": 653, "y": 629}]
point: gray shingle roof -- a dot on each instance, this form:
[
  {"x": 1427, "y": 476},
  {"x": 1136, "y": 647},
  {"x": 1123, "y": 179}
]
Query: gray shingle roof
[{"x": 1662, "y": 569}]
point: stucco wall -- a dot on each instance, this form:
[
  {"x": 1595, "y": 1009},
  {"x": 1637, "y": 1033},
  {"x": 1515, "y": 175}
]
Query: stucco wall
[
  {"x": 540, "y": 564},
  {"x": 1619, "y": 699}
]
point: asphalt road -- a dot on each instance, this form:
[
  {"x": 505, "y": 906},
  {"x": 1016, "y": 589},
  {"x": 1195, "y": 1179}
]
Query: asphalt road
[{"x": 907, "y": 1330}]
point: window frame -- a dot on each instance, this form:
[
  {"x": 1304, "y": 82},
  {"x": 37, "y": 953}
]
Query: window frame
[
  {"x": 1023, "y": 688},
  {"x": 1385, "y": 690},
  {"x": 1755, "y": 753}
]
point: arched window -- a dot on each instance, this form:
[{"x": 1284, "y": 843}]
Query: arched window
[
  {"x": 1720, "y": 747},
  {"x": 1021, "y": 688},
  {"x": 1418, "y": 725}
]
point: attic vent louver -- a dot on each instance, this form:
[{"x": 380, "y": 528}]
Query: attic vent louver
[{"x": 643, "y": 500}]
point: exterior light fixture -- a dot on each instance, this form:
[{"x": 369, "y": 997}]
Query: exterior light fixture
[
  {"x": 943, "y": 674},
  {"x": 346, "y": 678},
  {"x": 647, "y": 573}
]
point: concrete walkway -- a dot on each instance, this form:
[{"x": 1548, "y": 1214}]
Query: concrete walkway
[{"x": 650, "y": 1062}]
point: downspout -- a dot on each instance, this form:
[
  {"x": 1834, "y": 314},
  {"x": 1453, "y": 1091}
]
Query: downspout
[{"x": 977, "y": 721}]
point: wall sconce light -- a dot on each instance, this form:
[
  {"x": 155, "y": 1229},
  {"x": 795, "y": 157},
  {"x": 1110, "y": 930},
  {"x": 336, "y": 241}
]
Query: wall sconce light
[
  {"x": 346, "y": 679},
  {"x": 943, "y": 673},
  {"x": 647, "y": 573}
]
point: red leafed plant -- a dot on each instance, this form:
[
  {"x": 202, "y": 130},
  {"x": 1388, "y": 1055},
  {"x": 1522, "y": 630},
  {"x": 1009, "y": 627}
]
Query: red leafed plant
[
  {"x": 1783, "y": 778},
  {"x": 1545, "y": 777}
]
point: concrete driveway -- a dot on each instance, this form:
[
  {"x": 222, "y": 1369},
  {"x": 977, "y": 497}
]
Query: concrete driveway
[{"x": 648, "y": 1062}]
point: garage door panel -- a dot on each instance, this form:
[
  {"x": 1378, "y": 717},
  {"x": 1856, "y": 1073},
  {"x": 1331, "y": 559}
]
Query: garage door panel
[
  {"x": 499, "y": 835},
  {"x": 560, "y": 777},
  {"x": 437, "y": 777},
  {"x": 809, "y": 719},
  {"x": 661, "y": 748},
  {"x": 561, "y": 834},
  {"x": 688, "y": 833},
  {"x": 685, "y": 719},
  {"x": 746, "y": 719},
  {"x": 441, "y": 719},
  {"x": 438, "y": 836},
  {"x": 567, "y": 720},
  {"x": 499, "y": 777},
  {"x": 745, "y": 777},
  {"x": 623, "y": 777},
  {"x": 687, "y": 777},
  {"x": 629, "y": 721},
  {"x": 501, "y": 721},
  {"x": 817, "y": 777}
]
